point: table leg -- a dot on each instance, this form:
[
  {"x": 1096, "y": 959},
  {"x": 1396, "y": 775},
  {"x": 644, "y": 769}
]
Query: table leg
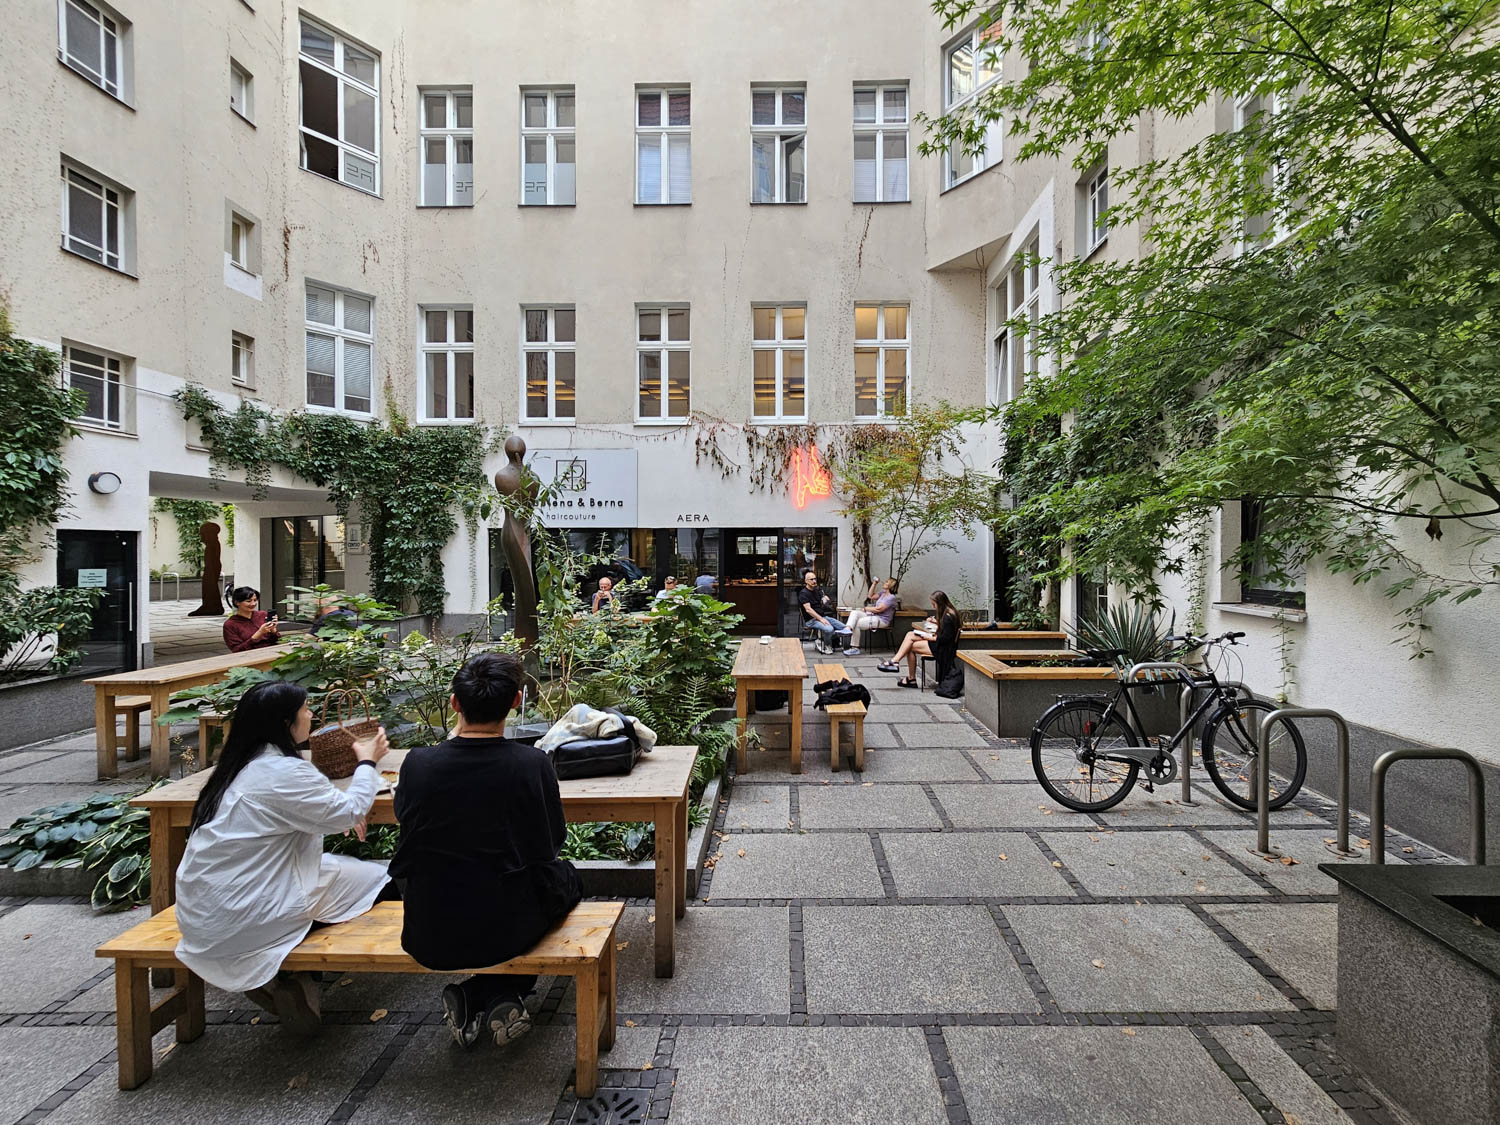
[
  {"x": 104, "y": 731},
  {"x": 742, "y": 721},
  {"x": 680, "y": 883},
  {"x": 795, "y": 694},
  {"x": 161, "y": 736},
  {"x": 666, "y": 886}
]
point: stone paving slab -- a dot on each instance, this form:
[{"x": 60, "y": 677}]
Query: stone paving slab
[
  {"x": 918, "y": 765},
  {"x": 946, "y": 710},
  {"x": 10, "y": 763},
  {"x": 867, "y": 805},
  {"x": 1101, "y": 1075},
  {"x": 1148, "y": 863},
  {"x": 758, "y": 806},
  {"x": 729, "y": 959},
  {"x": 37, "y": 1060},
  {"x": 1298, "y": 940},
  {"x": 76, "y": 766},
  {"x": 969, "y": 865},
  {"x": 1296, "y": 1095},
  {"x": 1007, "y": 762},
  {"x": 764, "y": 1075},
  {"x": 899, "y": 712},
  {"x": 1160, "y": 808},
  {"x": 1307, "y": 848},
  {"x": 1154, "y": 959},
  {"x": 776, "y": 765},
  {"x": 940, "y": 734},
  {"x": 1004, "y": 806},
  {"x": 873, "y": 959},
  {"x": 826, "y": 865},
  {"x": 47, "y": 950}
]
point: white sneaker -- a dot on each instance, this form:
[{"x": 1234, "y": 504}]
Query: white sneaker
[
  {"x": 822, "y": 646},
  {"x": 851, "y": 652}
]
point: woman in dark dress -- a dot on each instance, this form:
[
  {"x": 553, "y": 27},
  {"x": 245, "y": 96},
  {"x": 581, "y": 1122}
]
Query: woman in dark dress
[{"x": 939, "y": 640}]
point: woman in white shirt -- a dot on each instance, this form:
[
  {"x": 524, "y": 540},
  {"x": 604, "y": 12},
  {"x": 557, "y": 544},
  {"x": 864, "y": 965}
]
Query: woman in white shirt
[{"x": 254, "y": 877}]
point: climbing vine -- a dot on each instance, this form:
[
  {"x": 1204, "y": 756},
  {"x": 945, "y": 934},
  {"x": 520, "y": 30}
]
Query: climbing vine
[{"x": 189, "y": 516}]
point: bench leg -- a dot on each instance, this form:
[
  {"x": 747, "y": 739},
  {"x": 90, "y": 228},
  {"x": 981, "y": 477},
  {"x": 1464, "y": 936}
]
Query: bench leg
[
  {"x": 132, "y": 1023},
  {"x": 833, "y": 744},
  {"x": 586, "y": 1079},
  {"x": 161, "y": 737},
  {"x": 132, "y": 736},
  {"x": 796, "y": 698},
  {"x": 104, "y": 732},
  {"x": 741, "y": 711},
  {"x": 859, "y": 744},
  {"x": 607, "y": 995},
  {"x": 193, "y": 1016}
]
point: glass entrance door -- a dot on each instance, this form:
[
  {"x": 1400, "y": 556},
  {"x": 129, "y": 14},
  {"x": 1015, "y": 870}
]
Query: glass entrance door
[
  {"x": 105, "y": 560},
  {"x": 804, "y": 549},
  {"x": 750, "y": 580},
  {"x": 305, "y": 551}
]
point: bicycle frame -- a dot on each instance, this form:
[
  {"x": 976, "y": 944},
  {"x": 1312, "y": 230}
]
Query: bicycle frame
[{"x": 1147, "y": 754}]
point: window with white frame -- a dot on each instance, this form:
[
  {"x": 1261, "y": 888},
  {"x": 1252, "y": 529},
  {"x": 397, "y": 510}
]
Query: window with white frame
[
  {"x": 971, "y": 64},
  {"x": 882, "y": 350},
  {"x": 101, "y": 376},
  {"x": 340, "y": 125},
  {"x": 241, "y": 359},
  {"x": 1256, "y": 113},
  {"x": 778, "y": 144},
  {"x": 447, "y": 140},
  {"x": 663, "y": 146},
  {"x": 240, "y": 229},
  {"x": 779, "y": 358},
  {"x": 549, "y": 148},
  {"x": 1019, "y": 312},
  {"x": 1093, "y": 211},
  {"x": 447, "y": 384},
  {"x": 95, "y": 218},
  {"x": 340, "y": 349},
  {"x": 548, "y": 364},
  {"x": 241, "y": 91},
  {"x": 880, "y": 136},
  {"x": 663, "y": 356},
  {"x": 91, "y": 41}
]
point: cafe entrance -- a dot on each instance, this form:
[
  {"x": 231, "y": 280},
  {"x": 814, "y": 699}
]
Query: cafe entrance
[{"x": 763, "y": 570}]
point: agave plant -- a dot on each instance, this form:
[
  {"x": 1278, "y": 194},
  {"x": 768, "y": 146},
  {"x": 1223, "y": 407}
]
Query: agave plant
[{"x": 1138, "y": 632}]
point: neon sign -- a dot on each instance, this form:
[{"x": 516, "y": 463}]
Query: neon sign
[{"x": 809, "y": 476}]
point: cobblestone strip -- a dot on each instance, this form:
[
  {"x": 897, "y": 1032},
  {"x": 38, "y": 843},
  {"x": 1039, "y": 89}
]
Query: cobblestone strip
[
  {"x": 983, "y": 777},
  {"x": 1251, "y": 958},
  {"x": 883, "y": 865},
  {"x": 1035, "y": 836},
  {"x": 1023, "y": 961},
  {"x": 1255, "y": 870},
  {"x": 1305, "y": 1022},
  {"x": 93, "y": 982},
  {"x": 1313, "y": 1054},
  {"x": 942, "y": 1066},
  {"x": 793, "y": 807},
  {"x": 1236, "y": 1074},
  {"x": 54, "y": 1102},
  {"x": 937, "y": 807},
  {"x": 374, "y": 1073},
  {"x": 798, "y": 961}
]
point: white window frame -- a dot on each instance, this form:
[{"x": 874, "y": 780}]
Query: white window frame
[
  {"x": 244, "y": 106},
  {"x": 450, "y": 348},
  {"x": 553, "y": 132},
  {"x": 663, "y": 349},
  {"x": 110, "y": 42},
  {"x": 781, "y": 346},
  {"x": 340, "y": 335},
  {"x": 450, "y": 133},
  {"x": 1019, "y": 293},
  {"x": 881, "y": 344},
  {"x": 241, "y": 359},
  {"x": 115, "y": 372},
  {"x": 664, "y": 134},
  {"x": 551, "y": 347},
  {"x": 782, "y": 133},
  {"x": 340, "y": 42},
  {"x": 241, "y": 230},
  {"x": 1095, "y": 201},
  {"x": 973, "y": 39},
  {"x": 1276, "y": 224},
  {"x": 880, "y": 129},
  {"x": 111, "y": 197}
]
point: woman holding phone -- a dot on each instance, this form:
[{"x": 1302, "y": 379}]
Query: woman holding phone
[{"x": 249, "y": 626}]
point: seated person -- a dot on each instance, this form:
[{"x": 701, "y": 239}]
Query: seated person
[
  {"x": 706, "y": 584},
  {"x": 879, "y": 611},
  {"x": 666, "y": 588},
  {"x": 332, "y": 611},
  {"x": 939, "y": 640},
  {"x": 815, "y": 603},
  {"x": 481, "y": 825},
  {"x": 249, "y": 626},
  {"x": 603, "y": 598},
  {"x": 254, "y": 878}
]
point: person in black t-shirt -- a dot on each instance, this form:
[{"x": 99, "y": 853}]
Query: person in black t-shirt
[
  {"x": 481, "y": 825},
  {"x": 816, "y": 605}
]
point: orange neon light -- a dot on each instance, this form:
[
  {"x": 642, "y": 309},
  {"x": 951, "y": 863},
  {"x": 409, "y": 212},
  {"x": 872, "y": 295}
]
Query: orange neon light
[{"x": 809, "y": 477}]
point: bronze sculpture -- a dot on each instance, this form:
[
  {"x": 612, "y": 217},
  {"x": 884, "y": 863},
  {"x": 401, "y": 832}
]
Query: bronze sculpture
[
  {"x": 520, "y": 485},
  {"x": 213, "y": 603}
]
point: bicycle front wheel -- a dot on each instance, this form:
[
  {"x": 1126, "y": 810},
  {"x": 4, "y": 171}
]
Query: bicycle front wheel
[
  {"x": 1067, "y": 754},
  {"x": 1231, "y": 753}
]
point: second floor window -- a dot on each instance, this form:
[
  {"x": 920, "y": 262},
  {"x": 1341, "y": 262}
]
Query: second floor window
[
  {"x": 90, "y": 42},
  {"x": 880, "y": 124},
  {"x": 663, "y": 359},
  {"x": 241, "y": 91},
  {"x": 1093, "y": 219},
  {"x": 241, "y": 359},
  {"x": 447, "y": 139},
  {"x": 663, "y": 146},
  {"x": 94, "y": 214},
  {"x": 547, "y": 362},
  {"x": 340, "y": 131},
  {"x": 778, "y": 145},
  {"x": 780, "y": 362},
  {"x": 340, "y": 349},
  {"x": 1019, "y": 300},
  {"x": 881, "y": 351},
  {"x": 970, "y": 65},
  {"x": 549, "y": 148},
  {"x": 447, "y": 391},
  {"x": 101, "y": 378}
]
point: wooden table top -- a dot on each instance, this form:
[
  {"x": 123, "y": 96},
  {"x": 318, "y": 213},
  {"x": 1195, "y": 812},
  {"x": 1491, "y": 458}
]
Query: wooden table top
[
  {"x": 188, "y": 669},
  {"x": 780, "y": 660},
  {"x": 661, "y": 775}
]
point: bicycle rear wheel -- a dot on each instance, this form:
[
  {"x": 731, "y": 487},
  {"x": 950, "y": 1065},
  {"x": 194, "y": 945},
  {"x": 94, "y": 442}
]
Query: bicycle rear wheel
[
  {"x": 1231, "y": 755},
  {"x": 1065, "y": 754}
]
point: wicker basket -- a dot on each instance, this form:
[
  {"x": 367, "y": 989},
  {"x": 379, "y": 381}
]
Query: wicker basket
[{"x": 332, "y": 743}]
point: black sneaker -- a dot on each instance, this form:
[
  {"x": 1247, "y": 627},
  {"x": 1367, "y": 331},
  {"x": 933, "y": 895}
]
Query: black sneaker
[
  {"x": 508, "y": 1021},
  {"x": 465, "y": 1026}
]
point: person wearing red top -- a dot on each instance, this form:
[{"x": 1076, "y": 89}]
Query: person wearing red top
[{"x": 248, "y": 626}]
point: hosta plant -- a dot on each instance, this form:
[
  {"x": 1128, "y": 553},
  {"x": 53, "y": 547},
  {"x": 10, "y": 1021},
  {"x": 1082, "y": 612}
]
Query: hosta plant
[{"x": 102, "y": 833}]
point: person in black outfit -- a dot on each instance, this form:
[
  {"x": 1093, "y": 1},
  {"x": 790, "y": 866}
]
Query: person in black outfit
[
  {"x": 939, "y": 640},
  {"x": 481, "y": 825},
  {"x": 815, "y": 603}
]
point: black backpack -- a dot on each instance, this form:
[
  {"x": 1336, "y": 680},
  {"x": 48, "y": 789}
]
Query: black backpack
[
  {"x": 840, "y": 691},
  {"x": 951, "y": 686}
]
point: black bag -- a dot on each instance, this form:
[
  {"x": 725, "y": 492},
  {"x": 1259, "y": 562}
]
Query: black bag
[
  {"x": 951, "y": 686},
  {"x": 598, "y": 757},
  {"x": 840, "y": 691},
  {"x": 771, "y": 700}
]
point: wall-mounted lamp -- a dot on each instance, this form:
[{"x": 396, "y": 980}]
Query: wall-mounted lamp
[{"x": 104, "y": 484}]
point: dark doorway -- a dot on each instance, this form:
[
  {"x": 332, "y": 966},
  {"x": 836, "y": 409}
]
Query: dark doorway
[
  {"x": 305, "y": 551},
  {"x": 1004, "y": 575},
  {"x": 105, "y": 560}
]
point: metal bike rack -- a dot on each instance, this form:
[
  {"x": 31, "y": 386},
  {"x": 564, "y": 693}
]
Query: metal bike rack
[
  {"x": 1187, "y": 752},
  {"x": 161, "y": 591},
  {"x": 1184, "y": 705},
  {"x": 1263, "y": 775},
  {"x": 1377, "y": 796}
]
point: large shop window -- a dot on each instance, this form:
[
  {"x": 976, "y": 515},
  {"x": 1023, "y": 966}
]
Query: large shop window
[{"x": 340, "y": 131}]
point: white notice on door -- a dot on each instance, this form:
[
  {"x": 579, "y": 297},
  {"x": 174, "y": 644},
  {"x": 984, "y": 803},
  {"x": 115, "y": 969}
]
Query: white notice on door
[{"x": 88, "y": 576}]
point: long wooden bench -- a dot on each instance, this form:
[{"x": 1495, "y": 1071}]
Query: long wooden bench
[
  {"x": 582, "y": 945},
  {"x": 838, "y": 713}
]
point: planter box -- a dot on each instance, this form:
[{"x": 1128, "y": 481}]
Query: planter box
[
  {"x": 1419, "y": 987},
  {"x": 45, "y": 707},
  {"x": 1008, "y": 699},
  {"x": 615, "y": 878},
  {"x": 47, "y": 882}
]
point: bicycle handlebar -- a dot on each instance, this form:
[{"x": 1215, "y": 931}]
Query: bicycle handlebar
[{"x": 1198, "y": 642}]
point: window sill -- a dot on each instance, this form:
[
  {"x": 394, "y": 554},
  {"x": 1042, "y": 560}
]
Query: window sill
[
  {"x": 549, "y": 422},
  {"x": 1254, "y": 609},
  {"x": 879, "y": 202},
  {"x": 800, "y": 420},
  {"x": 1094, "y": 249},
  {"x": 447, "y": 421},
  {"x": 243, "y": 117},
  {"x": 639, "y": 203},
  {"x": 62, "y": 62},
  {"x": 246, "y": 270},
  {"x": 93, "y": 427},
  {"x": 778, "y": 203},
  {"x": 546, "y": 206},
  {"x": 661, "y": 422},
  {"x": 445, "y": 206},
  {"x": 357, "y": 415},
  {"x": 95, "y": 262},
  {"x": 970, "y": 178}
]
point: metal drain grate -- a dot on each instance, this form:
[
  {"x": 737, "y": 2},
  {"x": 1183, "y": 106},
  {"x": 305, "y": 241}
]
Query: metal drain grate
[{"x": 613, "y": 1107}]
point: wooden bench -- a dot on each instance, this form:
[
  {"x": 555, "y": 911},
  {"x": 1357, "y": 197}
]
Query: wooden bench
[
  {"x": 582, "y": 945},
  {"x": 129, "y": 707},
  {"x": 852, "y": 713}
]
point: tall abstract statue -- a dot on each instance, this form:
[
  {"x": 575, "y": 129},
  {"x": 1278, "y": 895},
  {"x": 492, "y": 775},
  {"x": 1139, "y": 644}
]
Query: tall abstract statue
[
  {"x": 213, "y": 604},
  {"x": 514, "y": 480}
]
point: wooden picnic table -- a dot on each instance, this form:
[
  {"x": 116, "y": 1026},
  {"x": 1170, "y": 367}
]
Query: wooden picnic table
[
  {"x": 656, "y": 790},
  {"x": 777, "y": 666},
  {"x": 159, "y": 683}
]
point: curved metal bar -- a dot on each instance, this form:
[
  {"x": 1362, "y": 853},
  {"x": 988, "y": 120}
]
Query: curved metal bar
[
  {"x": 1187, "y": 754},
  {"x": 1263, "y": 772},
  {"x": 1377, "y": 796},
  {"x": 1184, "y": 705}
]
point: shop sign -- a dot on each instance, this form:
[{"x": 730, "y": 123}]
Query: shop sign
[
  {"x": 596, "y": 487},
  {"x": 809, "y": 476}
]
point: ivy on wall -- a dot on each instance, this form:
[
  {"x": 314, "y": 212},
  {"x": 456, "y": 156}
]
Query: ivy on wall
[{"x": 189, "y": 516}]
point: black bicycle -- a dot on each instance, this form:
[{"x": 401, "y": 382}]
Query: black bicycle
[{"x": 1088, "y": 751}]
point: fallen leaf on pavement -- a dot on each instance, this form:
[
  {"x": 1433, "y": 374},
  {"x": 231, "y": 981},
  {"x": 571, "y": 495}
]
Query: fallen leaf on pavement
[
  {"x": 1004, "y": 856},
  {"x": 378, "y": 1014},
  {"x": 296, "y": 1082},
  {"x": 652, "y": 919},
  {"x": 1098, "y": 964},
  {"x": 647, "y": 1066},
  {"x": 1288, "y": 861},
  {"x": 742, "y": 853},
  {"x": 255, "y": 1019},
  {"x": 621, "y": 944},
  {"x": 630, "y": 1023},
  {"x": 1056, "y": 863},
  {"x": 1127, "y": 1031},
  {"x": 867, "y": 784}
]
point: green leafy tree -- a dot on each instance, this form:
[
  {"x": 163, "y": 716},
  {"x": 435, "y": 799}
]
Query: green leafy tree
[{"x": 1314, "y": 321}]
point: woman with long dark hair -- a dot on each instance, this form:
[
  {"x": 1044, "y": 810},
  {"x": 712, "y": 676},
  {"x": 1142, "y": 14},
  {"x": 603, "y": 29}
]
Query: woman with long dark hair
[
  {"x": 939, "y": 639},
  {"x": 254, "y": 877}
]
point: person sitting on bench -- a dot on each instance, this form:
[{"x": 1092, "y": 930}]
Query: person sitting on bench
[
  {"x": 481, "y": 826},
  {"x": 939, "y": 640},
  {"x": 254, "y": 878}
]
